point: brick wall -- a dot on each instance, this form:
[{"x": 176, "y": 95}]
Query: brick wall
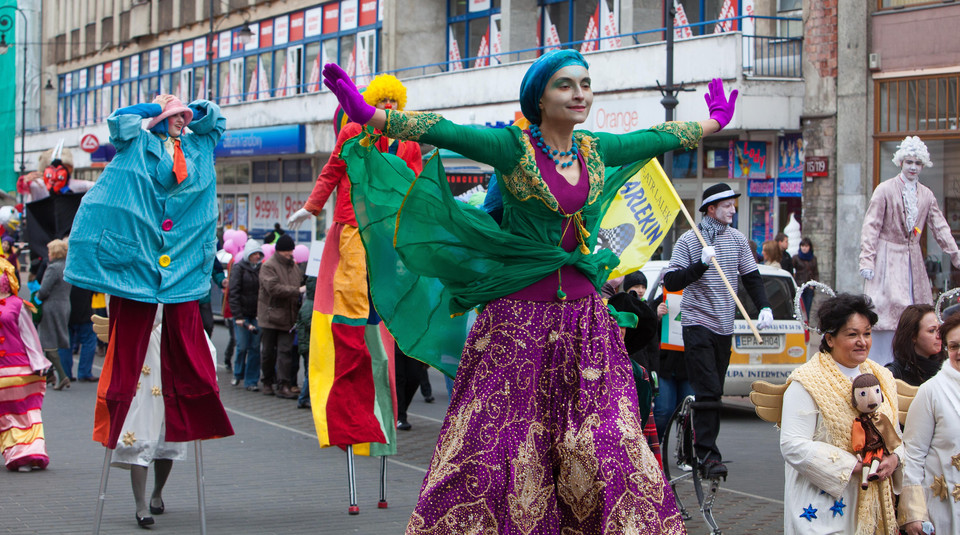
[{"x": 819, "y": 124}]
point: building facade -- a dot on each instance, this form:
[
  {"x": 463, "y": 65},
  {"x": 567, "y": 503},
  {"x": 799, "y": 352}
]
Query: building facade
[
  {"x": 463, "y": 58},
  {"x": 876, "y": 72}
]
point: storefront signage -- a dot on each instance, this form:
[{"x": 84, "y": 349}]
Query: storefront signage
[
  {"x": 224, "y": 45},
  {"x": 790, "y": 156},
  {"x": 479, "y": 5},
  {"x": 200, "y": 48},
  {"x": 89, "y": 143},
  {"x": 281, "y": 30},
  {"x": 348, "y": 14},
  {"x": 748, "y": 159},
  {"x": 761, "y": 188},
  {"x": 789, "y": 187},
  {"x": 287, "y": 139},
  {"x": 269, "y": 208},
  {"x": 154, "y": 60},
  {"x": 368, "y": 12},
  {"x": 816, "y": 166},
  {"x": 311, "y": 23}
]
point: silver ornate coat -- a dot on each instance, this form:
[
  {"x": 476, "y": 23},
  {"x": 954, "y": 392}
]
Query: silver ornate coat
[{"x": 893, "y": 252}]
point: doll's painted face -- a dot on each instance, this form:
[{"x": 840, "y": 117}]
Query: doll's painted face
[
  {"x": 175, "y": 124},
  {"x": 867, "y": 398},
  {"x": 910, "y": 168}
]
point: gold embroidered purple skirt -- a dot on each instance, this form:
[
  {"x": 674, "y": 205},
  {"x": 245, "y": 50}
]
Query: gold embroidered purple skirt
[{"x": 542, "y": 434}]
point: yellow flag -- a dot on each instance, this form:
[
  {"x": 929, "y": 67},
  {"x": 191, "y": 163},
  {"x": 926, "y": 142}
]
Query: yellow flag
[{"x": 639, "y": 218}]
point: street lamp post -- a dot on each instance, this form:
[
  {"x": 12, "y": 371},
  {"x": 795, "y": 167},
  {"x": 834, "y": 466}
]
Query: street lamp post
[{"x": 23, "y": 102}]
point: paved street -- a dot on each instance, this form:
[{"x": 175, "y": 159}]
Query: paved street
[{"x": 271, "y": 477}]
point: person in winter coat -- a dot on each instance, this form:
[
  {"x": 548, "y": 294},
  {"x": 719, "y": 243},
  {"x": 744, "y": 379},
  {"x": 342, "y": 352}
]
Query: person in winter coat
[
  {"x": 304, "y": 323},
  {"x": 54, "y": 293},
  {"x": 805, "y": 266},
  {"x": 244, "y": 291},
  {"x": 277, "y": 308}
]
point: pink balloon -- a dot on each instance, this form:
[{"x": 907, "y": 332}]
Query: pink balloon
[
  {"x": 228, "y": 235},
  {"x": 231, "y": 247},
  {"x": 268, "y": 250},
  {"x": 301, "y": 253},
  {"x": 240, "y": 237}
]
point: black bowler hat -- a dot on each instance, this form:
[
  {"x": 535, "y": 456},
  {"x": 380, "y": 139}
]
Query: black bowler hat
[{"x": 715, "y": 194}]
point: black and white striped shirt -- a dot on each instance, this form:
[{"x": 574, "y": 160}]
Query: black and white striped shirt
[{"x": 706, "y": 301}]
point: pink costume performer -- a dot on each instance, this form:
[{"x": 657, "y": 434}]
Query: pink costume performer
[
  {"x": 890, "y": 257},
  {"x": 21, "y": 387}
]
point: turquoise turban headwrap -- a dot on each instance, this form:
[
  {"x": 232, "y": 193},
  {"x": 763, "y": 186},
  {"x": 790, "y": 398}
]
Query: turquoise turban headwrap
[{"x": 535, "y": 81}]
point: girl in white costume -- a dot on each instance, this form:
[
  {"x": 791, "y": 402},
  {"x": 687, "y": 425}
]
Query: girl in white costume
[{"x": 931, "y": 474}]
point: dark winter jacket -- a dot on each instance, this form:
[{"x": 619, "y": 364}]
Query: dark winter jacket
[{"x": 244, "y": 289}]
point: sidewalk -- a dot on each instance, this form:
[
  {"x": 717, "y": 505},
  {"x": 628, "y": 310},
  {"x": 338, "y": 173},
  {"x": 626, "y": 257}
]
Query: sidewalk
[{"x": 271, "y": 477}]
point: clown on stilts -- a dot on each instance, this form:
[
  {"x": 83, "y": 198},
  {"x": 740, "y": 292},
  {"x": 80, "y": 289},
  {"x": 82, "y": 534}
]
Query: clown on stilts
[
  {"x": 145, "y": 234},
  {"x": 352, "y": 390}
]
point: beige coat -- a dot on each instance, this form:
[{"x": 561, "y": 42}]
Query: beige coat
[{"x": 893, "y": 252}]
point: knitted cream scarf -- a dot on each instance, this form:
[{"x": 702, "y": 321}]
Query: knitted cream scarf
[{"x": 831, "y": 390}]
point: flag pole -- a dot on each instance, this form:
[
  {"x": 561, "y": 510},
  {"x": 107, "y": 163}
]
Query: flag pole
[{"x": 723, "y": 276}]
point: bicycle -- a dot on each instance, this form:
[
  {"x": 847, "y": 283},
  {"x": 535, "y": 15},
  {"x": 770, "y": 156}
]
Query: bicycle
[{"x": 680, "y": 427}]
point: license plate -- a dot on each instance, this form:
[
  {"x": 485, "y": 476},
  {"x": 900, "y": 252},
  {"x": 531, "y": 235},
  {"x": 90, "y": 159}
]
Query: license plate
[{"x": 748, "y": 341}]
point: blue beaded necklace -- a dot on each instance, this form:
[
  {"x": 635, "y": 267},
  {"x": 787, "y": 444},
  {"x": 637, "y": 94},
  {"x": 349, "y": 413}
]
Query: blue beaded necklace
[{"x": 554, "y": 154}]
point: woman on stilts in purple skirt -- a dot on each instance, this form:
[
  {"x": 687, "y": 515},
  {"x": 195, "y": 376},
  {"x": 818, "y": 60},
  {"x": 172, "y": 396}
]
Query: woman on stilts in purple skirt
[{"x": 543, "y": 433}]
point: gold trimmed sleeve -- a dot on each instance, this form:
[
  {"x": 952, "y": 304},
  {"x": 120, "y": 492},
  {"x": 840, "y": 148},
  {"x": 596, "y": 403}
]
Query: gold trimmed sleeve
[
  {"x": 913, "y": 507},
  {"x": 409, "y": 125},
  {"x": 688, "y": 132}
]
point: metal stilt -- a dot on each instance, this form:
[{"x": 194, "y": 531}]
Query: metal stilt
[
  {"x": 354, "y": 509},
  {"x": 103, "y": 490},
  {"x": 203, "y": 506},
  {"x": 382, "y": 504}
]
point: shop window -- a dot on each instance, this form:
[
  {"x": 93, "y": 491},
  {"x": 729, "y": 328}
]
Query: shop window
[
  {"x": 313, "y": 63},
  {"x": 266, "y": 172},
  {"x": 715, "y": 157},
  {"x": 790, "y": 9},
  {"x": 899, "y": 4},
  {"x": 684, "y": 164},
  {"x": 471, "y": 28}
]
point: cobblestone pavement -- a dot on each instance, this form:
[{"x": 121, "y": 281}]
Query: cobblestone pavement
[{"x": 271, "y": 477}]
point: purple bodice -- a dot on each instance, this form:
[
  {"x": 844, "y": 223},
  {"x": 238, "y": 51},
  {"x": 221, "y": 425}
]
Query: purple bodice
[{"x": 570, "y": 198}]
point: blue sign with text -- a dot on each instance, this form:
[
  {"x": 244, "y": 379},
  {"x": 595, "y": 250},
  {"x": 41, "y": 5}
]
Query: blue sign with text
[{"x": 287, "y": 139}]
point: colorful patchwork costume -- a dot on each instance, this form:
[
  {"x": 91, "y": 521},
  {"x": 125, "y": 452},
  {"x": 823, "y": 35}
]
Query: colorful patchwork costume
[{"x": 352, "y": 388}]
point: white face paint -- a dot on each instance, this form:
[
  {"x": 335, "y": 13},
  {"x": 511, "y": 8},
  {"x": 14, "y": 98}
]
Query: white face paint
[
  {"x": 725, "y": 211},
  {"x": 910, "y": 168}
]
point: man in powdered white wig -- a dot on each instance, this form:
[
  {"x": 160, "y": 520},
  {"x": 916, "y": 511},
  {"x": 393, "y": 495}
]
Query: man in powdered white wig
[{"x": 890, "y": 257}]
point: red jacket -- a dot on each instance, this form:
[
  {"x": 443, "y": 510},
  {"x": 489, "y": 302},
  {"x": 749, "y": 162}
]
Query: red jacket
[{"x": 334, "y": 174}]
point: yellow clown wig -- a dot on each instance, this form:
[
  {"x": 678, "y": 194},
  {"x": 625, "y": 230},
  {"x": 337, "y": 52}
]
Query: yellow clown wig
[{"x": 386, "y": 86}]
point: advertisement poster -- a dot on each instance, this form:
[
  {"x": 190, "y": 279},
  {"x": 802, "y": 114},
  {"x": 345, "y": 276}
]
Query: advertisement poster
[
  {"x": 789, "y": 187},
  {"x": 228, "y": 218},
  {"x": 761, "y": 221},
  {"x": 760, "y": 188},
  {"x": 748, "y": 159},
  {"x": 242, "y": 223},
  {"x": 671, "y": 333},
  {"x": 790, "y": 156}
]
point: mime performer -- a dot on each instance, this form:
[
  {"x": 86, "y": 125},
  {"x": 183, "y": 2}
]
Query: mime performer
[{"x": 890, "y": 257}]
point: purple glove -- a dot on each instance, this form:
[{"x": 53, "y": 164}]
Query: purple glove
[
  {"x": 721, "y": 109},
  {"x": 338, "y": 82}
]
